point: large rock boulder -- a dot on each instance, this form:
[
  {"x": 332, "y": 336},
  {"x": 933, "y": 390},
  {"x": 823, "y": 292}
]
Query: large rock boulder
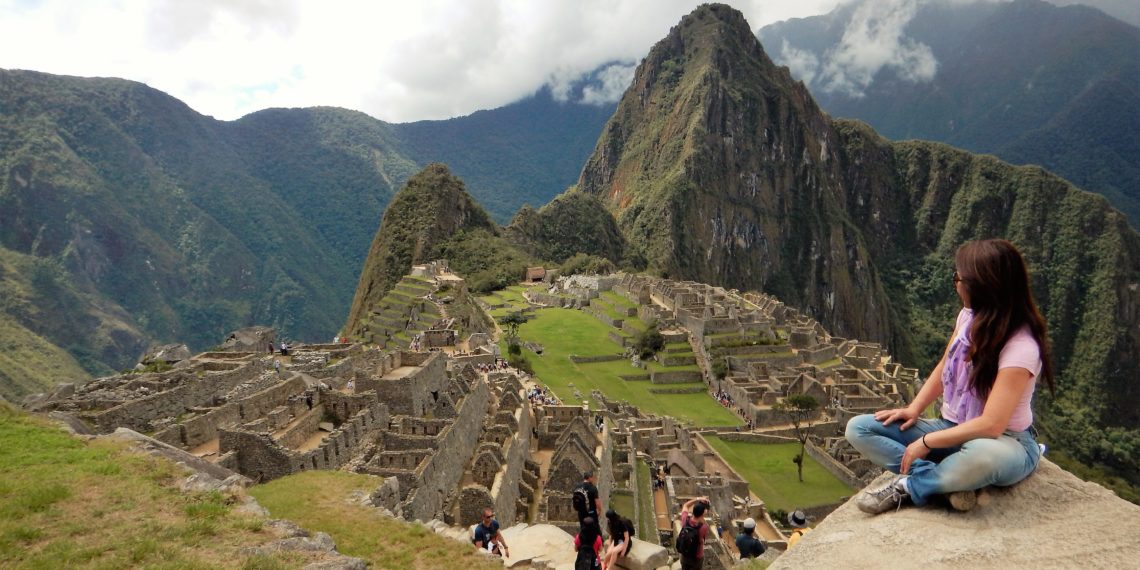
[
  {"x": 250, "y": 339},
  {"x": 644, "y": 556},
  {"x": 167, "y": 353},
  {"x": 1050, "y": 520},
  {"x": 538, "y": 545}
]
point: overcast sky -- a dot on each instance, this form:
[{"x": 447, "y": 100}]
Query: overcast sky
[{"x": 395, "y": 60}]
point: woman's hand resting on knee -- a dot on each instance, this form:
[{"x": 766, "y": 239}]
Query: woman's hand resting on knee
[{"x": 905, "y": 415}]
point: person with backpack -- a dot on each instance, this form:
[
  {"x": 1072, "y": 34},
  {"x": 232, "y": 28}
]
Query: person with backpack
[
  {"x": 690, "y": 541},
  {"x": 487, "y": 535},
  {"x": 588, "y": 543},
  {"x": 621, "y": 537},
  {"x": 586, "y": 501}
]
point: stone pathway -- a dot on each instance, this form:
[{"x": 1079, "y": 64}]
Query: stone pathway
[{"x": 661, "y": 510}]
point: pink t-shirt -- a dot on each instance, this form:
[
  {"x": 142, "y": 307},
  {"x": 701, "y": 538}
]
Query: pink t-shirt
[{"x": 959, "y": 402}]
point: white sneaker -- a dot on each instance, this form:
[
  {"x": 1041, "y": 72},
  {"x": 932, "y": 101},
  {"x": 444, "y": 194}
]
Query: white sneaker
[{"x": 888, "y": 497}]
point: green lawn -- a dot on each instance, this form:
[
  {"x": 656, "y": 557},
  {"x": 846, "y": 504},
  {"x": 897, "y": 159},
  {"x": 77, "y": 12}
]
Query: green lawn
[
  {"x": 563, "y": 332},
  {"x": 770, "y": 473},
  {"x": 318, "y": 501},
  {"x": 617, "y": 300},
  {"x": 66, "y": 502}
]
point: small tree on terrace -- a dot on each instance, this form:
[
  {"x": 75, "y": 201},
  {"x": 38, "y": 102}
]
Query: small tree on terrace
[
  {"x": 801, "y": 410},
  {"x": 511, "y": 323}
]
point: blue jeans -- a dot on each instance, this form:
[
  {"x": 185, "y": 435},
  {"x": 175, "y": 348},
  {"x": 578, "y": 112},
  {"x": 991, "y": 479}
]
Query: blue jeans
[{"x": 1002, "y": 461}]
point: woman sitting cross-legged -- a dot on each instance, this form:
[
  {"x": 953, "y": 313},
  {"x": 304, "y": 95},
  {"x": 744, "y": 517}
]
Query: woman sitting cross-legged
[{"x": 986, "y": 378}]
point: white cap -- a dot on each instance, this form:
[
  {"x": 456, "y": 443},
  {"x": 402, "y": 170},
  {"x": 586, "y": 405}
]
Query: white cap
[{"x": 749, "y": 523}]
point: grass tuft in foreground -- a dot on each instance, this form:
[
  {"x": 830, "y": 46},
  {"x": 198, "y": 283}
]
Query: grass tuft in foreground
[
  {"x": 319, "y": 501},
  {"x": 70, "y": 503}
]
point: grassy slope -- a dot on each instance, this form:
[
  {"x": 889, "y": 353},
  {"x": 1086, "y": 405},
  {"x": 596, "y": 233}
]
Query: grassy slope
[
  {"x": 30, "y": 364},
  {"x": 317, "y": 501},
  {"x": 770, "y": 473},
  {"x": 67, "y": 503},
  {"x": 563, "y": 332}
]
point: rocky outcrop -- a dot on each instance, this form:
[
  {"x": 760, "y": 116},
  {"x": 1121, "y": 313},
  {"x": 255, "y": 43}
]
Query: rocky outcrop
[
  {"x": 1050, "y": 520},
  {"x": 167, "y": 353}
]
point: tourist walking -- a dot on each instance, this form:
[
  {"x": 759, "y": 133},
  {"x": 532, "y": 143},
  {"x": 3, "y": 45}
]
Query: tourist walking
[{"x": 986, "y": 378}]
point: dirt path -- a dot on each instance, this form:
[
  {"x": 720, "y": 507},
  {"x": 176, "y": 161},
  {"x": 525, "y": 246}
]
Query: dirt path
[
  {"x": 313, "y": 442},
  {"x": 661, "y": 511},
  {"x": 208, "y": 450},
  {"x": 542, "y": 457}
]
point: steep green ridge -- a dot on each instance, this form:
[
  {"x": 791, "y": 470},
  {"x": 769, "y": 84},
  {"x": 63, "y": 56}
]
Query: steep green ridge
[
  {"x": 573, "y": 222},
  {"x": 160, "y": 224},
  {"x": 720, "y": 168},
  {"x": 29, "y": 288},
  {"x": 430, "y": 209},
  {"x": 1026, "y": 80},
  {"x": 1084, "y": 257}
]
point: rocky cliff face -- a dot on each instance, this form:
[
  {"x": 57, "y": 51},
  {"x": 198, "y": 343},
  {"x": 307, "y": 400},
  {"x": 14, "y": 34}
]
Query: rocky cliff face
[
  {"x": 720, "y": 168},
  {"x": 432, "y": 207}
]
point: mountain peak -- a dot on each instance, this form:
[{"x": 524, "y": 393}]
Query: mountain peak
[
  {"x": 433, "y": 206},
  {"x": 710, "y": 121}
]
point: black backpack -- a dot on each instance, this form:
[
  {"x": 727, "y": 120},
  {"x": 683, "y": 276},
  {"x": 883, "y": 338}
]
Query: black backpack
[
  {"x": 629, "y": 526},
  {"x": 587, "y": 559},
  {"x": 581, "y": 499},
  {"x": 689, "y": 540}
]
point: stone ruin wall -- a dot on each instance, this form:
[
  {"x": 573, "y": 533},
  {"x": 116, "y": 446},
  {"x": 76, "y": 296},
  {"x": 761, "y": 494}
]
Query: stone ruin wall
[
  {"x": 189, "y": 390},
  {"x": 438, "y": 472},
  {"x": 259, "y": 456}
]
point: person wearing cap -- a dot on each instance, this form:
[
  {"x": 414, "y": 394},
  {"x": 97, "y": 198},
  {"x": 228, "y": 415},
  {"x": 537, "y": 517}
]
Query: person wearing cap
[
  {"x": 746, "y": 542},
  {"x": 798, "y": 520}
]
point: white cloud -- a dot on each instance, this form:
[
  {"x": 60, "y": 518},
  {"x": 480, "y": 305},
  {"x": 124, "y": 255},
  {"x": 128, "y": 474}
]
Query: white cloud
[
  {"x": 874, "y": 40},
  {"x": 612, "y": 82},
  {"x": 397, "y": 61},
  {"x": 803, "y": 64}
]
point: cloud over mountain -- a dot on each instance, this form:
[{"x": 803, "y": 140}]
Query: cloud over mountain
[{"x": 874, "y": 39}]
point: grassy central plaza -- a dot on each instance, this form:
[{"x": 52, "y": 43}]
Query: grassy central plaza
[
  {"x": 770, "y": 473},
  {"x": 768, "y": 468},
  {"x": 565, "y": 332}
]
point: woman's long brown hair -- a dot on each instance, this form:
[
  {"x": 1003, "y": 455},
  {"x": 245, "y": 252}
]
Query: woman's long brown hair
[{"x": 997, "y": 284}]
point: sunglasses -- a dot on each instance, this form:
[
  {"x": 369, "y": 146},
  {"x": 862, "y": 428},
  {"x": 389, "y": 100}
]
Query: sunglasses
[{"x": 957, "y": 278}]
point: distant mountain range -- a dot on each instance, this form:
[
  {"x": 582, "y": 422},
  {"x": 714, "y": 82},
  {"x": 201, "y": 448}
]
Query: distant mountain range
[
  {"x": 1026, "y": 80},
  {"x": 127, "y": 218}
]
